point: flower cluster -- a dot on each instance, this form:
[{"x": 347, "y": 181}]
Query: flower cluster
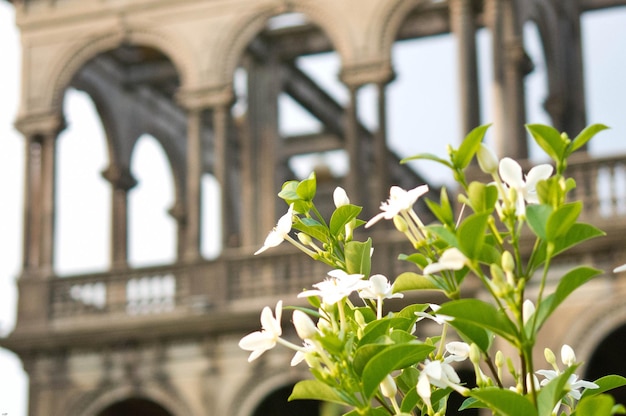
[{"x": 379, "y": 360}]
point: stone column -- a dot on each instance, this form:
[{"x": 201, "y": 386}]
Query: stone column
[
  {"x": 260, "y": 153},
  {"x": 194, "y": 185},
  {"x": 510, "y": 64},
  {"x": 121, "y": 181},
  {"x": 356, "y": 180},
  {"x": 39, "y": 214},
  {"x": 464, "y": 29},
  {"x": 222, "y": 166}
]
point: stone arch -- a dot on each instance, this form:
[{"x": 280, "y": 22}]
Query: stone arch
[
  {"x": 393, "y": 17},
  {"x": 250, "y": 25},
  {"x": 254, "y": 392},
  {"x": 76, "y": 55},
  {"x": 96, "y": 403},
  {"x": 596, "y": 325}
]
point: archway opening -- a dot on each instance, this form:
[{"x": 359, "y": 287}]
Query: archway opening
[
  {"x": 608, "y": 358},
  {"x": 276, "y": 404},
  {"x": 134, "y": 407}
]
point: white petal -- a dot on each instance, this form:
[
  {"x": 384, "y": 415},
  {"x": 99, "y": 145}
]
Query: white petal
[
  {"x": 283, "y": 227},
  {"x": 305, "y": 327},
  {"x": 375, "y": 219},
  {"x": 340, "y": 198},
  {"x": 528, "y": 310},
  {"x": 568, "y": 357},
  {"x": 257, "y": 341},
  {"x": 620, "y": 269},
  {"x": 538, "y": 173},
  {"x": 511, "y": 173},
  {"x": 458, "y": 349},
  {"x": 423, "y": 388}
]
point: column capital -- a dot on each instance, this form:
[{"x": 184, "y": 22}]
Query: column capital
[
  {"x": 372, "y": 72},
  {"x": 120, "y": 177},
  {"x": 40, "y": 124},
  {"x": 205, "y": 96}
]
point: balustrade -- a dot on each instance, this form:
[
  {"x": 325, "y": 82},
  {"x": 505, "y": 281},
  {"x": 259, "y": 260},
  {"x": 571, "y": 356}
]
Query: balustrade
[{"x": 237, "y": 277}]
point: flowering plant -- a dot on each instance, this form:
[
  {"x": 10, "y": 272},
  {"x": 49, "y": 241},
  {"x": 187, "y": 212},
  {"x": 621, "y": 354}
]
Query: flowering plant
[{"x": 371, "y": 360}]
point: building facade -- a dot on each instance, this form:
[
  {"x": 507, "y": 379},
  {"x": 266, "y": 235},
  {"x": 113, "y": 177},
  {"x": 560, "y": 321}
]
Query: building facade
[{"x": 162, "y": 340}]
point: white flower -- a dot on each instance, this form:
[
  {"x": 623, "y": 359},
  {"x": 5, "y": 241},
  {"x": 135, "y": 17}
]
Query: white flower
[
  {"x": 339, "y": 286},
  {"x": 300, "y": 355},
  {"x": 459, "y": 351},
  {"x": 511, "y": 174},
  {"x": 305, "y": 327},
  {"x": 379, "y": 288},
  {"x": 438, "y": 374},
  {"x": 620, "y": 269},
  {"x": 440, "y": 319},
  {"x": 260, "y": 341},
  {"x": 399, "y": 200},
  {"x": 340, "y": 198},
  {"x": 573, "y": 385},
  {"x": 279, "y": 233},
  {"x": 451, "y": 259}
]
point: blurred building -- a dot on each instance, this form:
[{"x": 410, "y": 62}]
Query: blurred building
[{"x": 162, "y": 340}]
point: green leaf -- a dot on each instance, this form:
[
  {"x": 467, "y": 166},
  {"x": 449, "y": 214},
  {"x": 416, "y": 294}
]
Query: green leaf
[
  {"x": 358, "y": 260},
  {"x": 578, "y": 233},
  {"x": 504, "y": 402},
  {"x": 415, "y": 258},
  {"x": 413, "y": 281},
  {"x": 444, "y": 233},
  {"x": 562, "y": 219},
  {"x": 605, "y": 384},
  {"x": 472, "y": 333},
  {"x": 482, "y": 197},
  {"x": 443, "y": 210},
  {"x": 537, "y": 217},
  {"x": 306, "y": 188},
  {"x": 394, "y": 357},
  {"x": 410, "y": 400},
  {"x": 549, "y": 139},
  {"x": 469, "y": 146},
  {"x": 479, "y": 313},
  {"x": 471, "y": 234},
  {"x": 567, "y": 284},
  {"x": 600, "y": 405},
  {"x": 312, "y": 228},
  {"x": 427, "y": 156},
  {"x": 315, "y": 390},
  {"x": 586, "y": 135},
  {"x": 342, "y": 216}
]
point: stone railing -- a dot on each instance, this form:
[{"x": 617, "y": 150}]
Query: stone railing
[{"x": 237, "y": 278}]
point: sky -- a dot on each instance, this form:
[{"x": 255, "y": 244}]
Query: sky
[{"x": 419, "y": 110}]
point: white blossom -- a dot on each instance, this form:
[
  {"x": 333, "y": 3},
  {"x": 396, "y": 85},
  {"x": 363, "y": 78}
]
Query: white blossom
[
  {"x": 620, "y": 269},
  {"x": 279, "y": 233},
  {"x": 568, "y": 357},
  {"x": 260, "y": 341},
  {"x": 525, "y": 188},
  {"x": 379, "y": 288},
  {"x": 440, "y": 319},
  {"x": 399, "y": 200},
  {"x": 459, "y": 351},
  {"x": 339, "y": 286},
  {"x": 528, "y": 310},
  {"x": 438, "y": 374},
  {"x": 451, "y": 259},
  {"x": 340, "y": 198}
]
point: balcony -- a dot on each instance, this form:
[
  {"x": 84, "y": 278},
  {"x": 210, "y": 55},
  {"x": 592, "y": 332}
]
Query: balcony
[{"x": 233, "y": 288}]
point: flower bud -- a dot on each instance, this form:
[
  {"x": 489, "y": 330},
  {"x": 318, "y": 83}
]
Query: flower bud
[
  {"x": 508, "y": 264},
  {"x": 305, "y": 327},
  {"x": 528, "y": 310},
  {"x": 474, "y": 354},
  {"x": 550, "y": 357},
  {"x": 388, "y": 387},
  {"x": 400, "y": 224},
  {"x": 499, "y": 359},
  {"x": 305, "y": 239},
  {"x": 567, "y": 355},
  {"x": 340, "y": 198},
  {"x": 487, "y": 160}
]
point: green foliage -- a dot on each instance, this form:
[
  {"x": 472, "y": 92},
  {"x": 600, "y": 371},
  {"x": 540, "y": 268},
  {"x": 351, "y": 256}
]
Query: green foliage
[{"x": 378, "y": 361}]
